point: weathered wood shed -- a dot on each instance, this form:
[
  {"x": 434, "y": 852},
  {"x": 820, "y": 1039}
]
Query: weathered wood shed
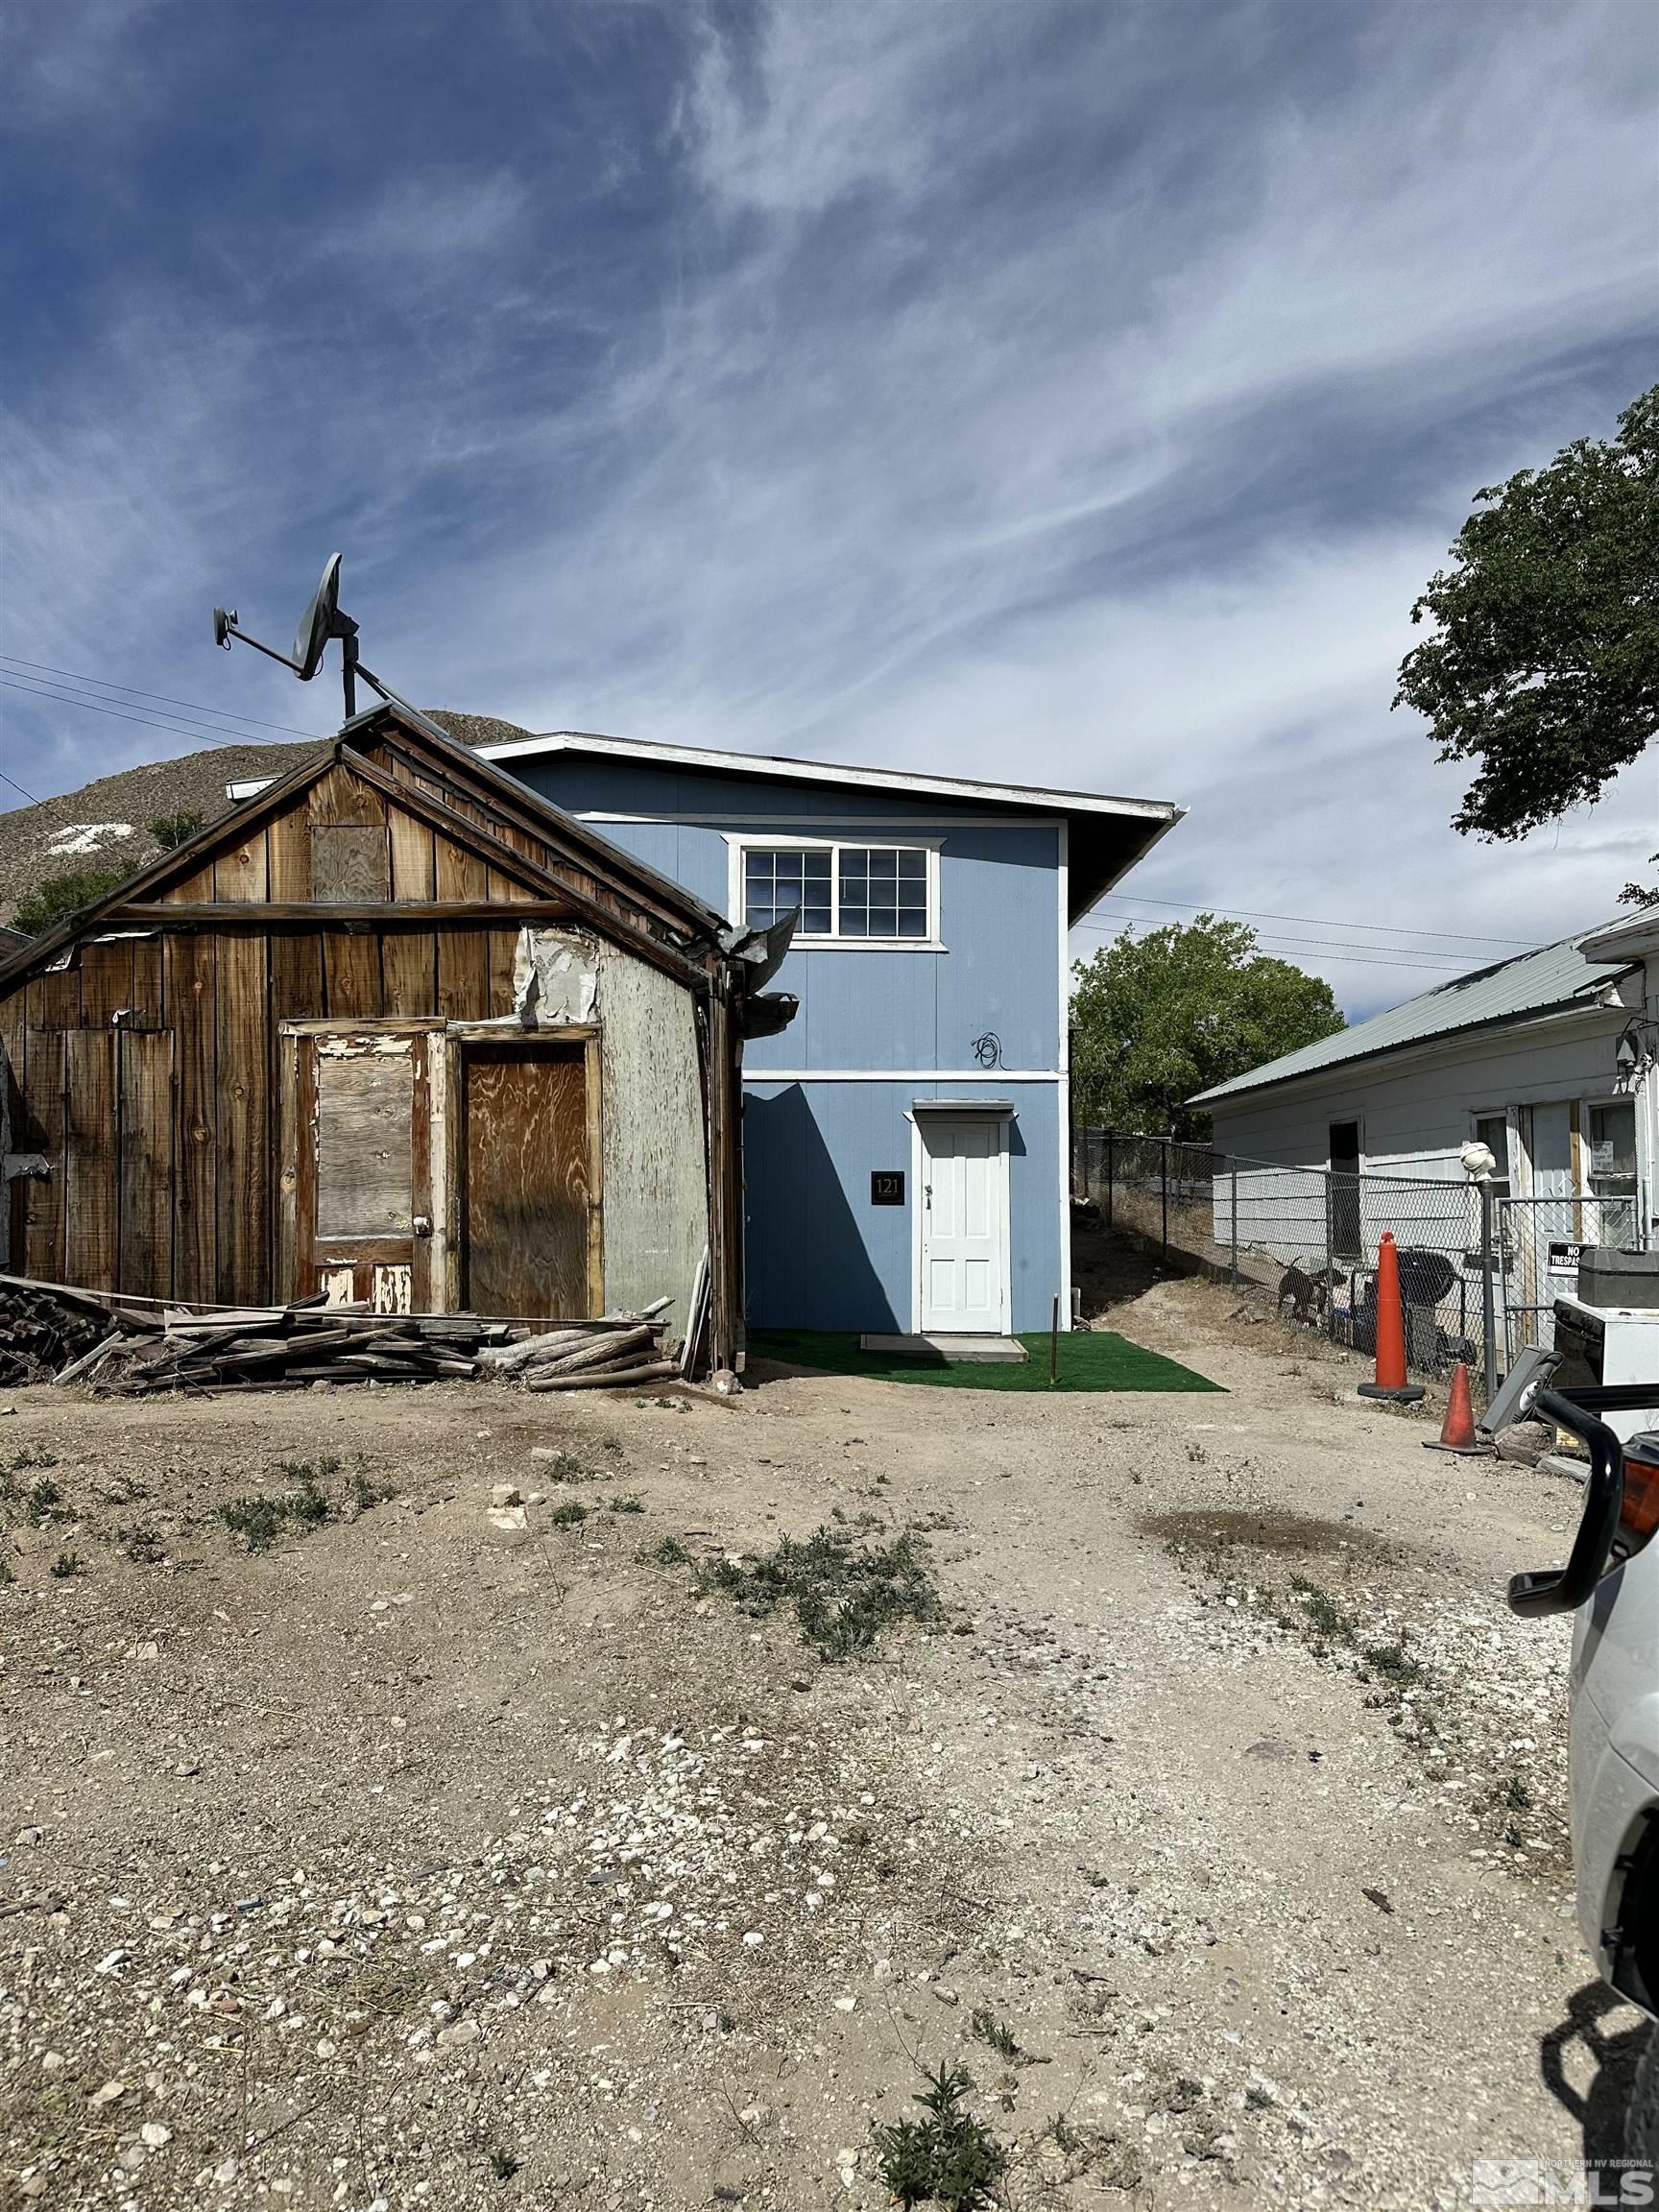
[{"x": 398, "y": 1029}]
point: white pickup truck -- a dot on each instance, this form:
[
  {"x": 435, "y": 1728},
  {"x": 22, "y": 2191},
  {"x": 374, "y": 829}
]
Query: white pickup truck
[{"x": 1611, "y": 1583}]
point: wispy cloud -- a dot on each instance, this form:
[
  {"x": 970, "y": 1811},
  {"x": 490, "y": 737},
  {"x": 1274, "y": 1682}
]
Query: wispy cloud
[{"x": 1083, "y": 391}]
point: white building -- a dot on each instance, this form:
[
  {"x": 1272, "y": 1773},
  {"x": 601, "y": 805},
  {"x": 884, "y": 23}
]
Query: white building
[{"x": 1552, "y": 1059}]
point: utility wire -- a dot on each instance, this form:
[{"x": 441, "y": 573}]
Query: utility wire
[
  {"x": 1316, "y": 920},
  {"x": 1371, "y": 956},
  {"x": 198, "y": 731},
  {"x": 16, "y": 786},
  {"x": 165, "y": 699}
]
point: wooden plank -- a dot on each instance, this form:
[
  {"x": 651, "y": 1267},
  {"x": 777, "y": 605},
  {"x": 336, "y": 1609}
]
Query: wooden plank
[
  {"x": 55, "y": 1001},
  {"x": 507, "y": 891},
  {"x": 414, "y": 863},
  {"x": 351, "y": 964},
  {"x": 409, "y": 972},
  {"x": 149, "y": 1001},
  {"x": 145, "y": 1186},
  {"x": 42, "y": 1242},
  {"x": 502, "y": 950},
  {"x": 526, "y": 1181},
  {"x": 463, "y": 954},
  {"x": 14, "y": 1122},
  {"x": 289, "y": 842},
  {"x": 189, "y": 971},
  {"x": 242, "y": 874},
  {"x": 365, "y": 1116},
  {"x": 106, "y": 982},
  {"x": 190, "y": 890},
  {"x": 592, "y": 1072},
  {"x": 349, "y": 864},
  {"x": 243, "y": 1201},
  {"x": 341, "y": 799},
  {"x": 420, "y": 1195},
  {"x": 91, "y": 1149},
  {"x": 480, "y": 910}
]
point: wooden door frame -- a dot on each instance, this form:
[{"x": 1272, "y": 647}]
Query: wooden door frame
[
  {"x": 459, "y": 1035},
  {"x": 447, "y": 1042},
  {"x": 297, "y": 1161},
  {"x": 960, "y": 1111}
]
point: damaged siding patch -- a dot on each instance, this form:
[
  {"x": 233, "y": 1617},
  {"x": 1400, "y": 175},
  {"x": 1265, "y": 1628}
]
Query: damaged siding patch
[{"x": 555, "y": 979}]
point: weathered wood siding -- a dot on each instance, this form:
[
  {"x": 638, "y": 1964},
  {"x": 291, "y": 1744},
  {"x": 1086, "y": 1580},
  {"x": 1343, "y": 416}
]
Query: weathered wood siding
[{"x": 147, "y": 1069}]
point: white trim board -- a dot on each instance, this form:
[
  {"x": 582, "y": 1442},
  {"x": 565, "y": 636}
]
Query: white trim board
[
  {"x": 790, "y": 770},
  {"x": 931, "y": 824}
]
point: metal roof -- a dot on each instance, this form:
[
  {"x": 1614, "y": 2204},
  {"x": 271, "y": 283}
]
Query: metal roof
[{"x": 1555, "y": 979}]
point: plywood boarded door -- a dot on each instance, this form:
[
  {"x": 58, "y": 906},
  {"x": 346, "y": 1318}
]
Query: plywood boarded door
[
  {"x": 527, "y": 1193},
  {"x": 363, "y": 1211}
]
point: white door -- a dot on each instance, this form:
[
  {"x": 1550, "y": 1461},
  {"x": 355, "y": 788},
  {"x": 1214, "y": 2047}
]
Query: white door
[{"x": 963, "y": 1230}]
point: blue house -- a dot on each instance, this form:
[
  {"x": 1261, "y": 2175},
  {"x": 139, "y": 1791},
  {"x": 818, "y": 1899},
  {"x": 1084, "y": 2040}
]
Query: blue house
[{"x": 905, "y": 1139}]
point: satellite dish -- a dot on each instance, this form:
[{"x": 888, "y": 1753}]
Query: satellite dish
[
  {"x": 317, "y": 623},
  {"x": 321, "y": 622}
]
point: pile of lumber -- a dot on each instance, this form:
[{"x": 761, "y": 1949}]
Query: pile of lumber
[
  {"x": 50, "y": 1332},
  {"x": 266, "y": 1348},
  {"x": 613, "y": 1354},
  {"x": 42, "y": 1331}
]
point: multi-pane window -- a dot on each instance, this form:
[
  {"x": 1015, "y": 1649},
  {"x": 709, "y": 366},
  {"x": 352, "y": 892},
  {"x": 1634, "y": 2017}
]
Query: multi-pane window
[
  {"x": 883, "y": 891},
  {"x": 872, "y": 892},
  {"x": 776, "y": 881}
]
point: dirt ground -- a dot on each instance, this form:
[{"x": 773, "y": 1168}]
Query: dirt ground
[{"x": 1214, "y": 1826}]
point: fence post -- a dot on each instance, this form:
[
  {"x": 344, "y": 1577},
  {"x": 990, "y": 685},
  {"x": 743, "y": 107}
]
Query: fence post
[
  {"x": 1488, "y": 1309},
  {"x": 1233, "y": 1223},
  {"x": 1165, "y": 1192},
  {"x": 1331, "y": 1259},
  {"x": 1109, "y": 1167}
]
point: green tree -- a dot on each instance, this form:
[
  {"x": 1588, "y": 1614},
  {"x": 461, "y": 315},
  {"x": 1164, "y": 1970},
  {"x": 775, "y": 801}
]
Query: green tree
[
  {"x": 59, "y": 896},
  {"x": 1156, "y": 1018},
  {"x": 171, "y": 830},
  {"x": 1544, "y": 665}
]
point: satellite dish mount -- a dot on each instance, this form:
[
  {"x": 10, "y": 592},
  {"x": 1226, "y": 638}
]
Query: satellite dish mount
[{"x": 322, "y": 620}]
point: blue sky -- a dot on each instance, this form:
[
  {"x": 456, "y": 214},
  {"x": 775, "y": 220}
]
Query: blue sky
[{"x": 1070, "y": 393}]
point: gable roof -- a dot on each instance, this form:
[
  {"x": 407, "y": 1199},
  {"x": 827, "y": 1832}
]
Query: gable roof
[
  {"x": 475, "y": 804},
  {"x": 1556, "y": 979},
  {"x": 1107, "y": 834}
]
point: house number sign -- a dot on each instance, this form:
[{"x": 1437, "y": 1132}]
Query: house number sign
[{"x": 886, "y": 1186}]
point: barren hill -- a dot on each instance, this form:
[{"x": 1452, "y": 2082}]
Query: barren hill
[{"x": 106, "y": 823}]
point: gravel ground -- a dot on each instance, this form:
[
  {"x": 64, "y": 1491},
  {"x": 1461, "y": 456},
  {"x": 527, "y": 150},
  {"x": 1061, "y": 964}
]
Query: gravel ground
[{"x": 450, "y": 1850}]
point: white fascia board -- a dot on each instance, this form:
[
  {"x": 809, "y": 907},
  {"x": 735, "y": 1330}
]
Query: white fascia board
[
  {"x": 795, "y": 771},
  {"x": 248, "y": 787},
  {"x": 1386, "y": 1061}
]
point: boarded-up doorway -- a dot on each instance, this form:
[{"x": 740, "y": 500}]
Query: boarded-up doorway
[
  {"x": 363, "y": 1202},
  {"x": 529, "y": 1238}
]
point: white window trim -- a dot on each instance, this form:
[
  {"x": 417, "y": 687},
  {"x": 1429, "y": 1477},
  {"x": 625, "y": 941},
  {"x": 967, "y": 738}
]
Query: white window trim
[{"x": 738, "y": 847}]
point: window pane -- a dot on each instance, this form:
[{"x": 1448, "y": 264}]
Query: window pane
[
  {"x": 883, "y": 891},
  {"x": 883, "y": 867},
  {"x": 913, "y": 866},
  {"x": 913, "y": 924},
  {"x": 854, "y": 864}
]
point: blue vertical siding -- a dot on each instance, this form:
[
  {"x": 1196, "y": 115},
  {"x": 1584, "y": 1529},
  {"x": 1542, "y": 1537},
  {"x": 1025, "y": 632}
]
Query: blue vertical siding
[{"x": 819, "y": 1255}]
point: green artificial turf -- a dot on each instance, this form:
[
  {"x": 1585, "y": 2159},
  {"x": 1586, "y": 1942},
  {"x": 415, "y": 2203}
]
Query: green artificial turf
[{"x": 1090, "y": 1360}]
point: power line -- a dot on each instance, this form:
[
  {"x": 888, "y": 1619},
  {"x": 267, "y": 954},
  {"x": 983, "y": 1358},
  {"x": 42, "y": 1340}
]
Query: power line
[
  {"x": 1314, "y": 921},
  {"x": 165, "y": 699},
  {"x": 1373, "y": 957},
  {"x": 197, "y": 731},
  {"x": 16, "y": 786}
]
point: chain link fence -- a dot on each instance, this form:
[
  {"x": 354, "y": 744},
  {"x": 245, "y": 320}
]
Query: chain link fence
[{"x": 1302, "y": 1242}]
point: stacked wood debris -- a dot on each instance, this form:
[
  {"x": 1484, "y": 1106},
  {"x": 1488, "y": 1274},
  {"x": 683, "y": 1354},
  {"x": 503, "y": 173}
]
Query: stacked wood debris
[
  {"x": 51, "y": 1333},
  {"x": 42, "y": 1331},
  {"x": 287, "y": 1347},
  {"x": 620, "y": 1351}
]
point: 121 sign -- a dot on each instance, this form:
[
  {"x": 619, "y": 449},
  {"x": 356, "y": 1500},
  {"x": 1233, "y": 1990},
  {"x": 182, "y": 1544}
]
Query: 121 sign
[{"x": 886, "y": 1186}]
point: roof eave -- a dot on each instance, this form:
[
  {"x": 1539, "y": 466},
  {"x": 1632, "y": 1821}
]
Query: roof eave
[{"x": 1225, "y": 1095}]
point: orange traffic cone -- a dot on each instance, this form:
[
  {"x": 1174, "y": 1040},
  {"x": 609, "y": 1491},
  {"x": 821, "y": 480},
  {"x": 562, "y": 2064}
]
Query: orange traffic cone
[
  {"x": 1457, "y": 1430},
  {"x": 1390, "y": 1383}
]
